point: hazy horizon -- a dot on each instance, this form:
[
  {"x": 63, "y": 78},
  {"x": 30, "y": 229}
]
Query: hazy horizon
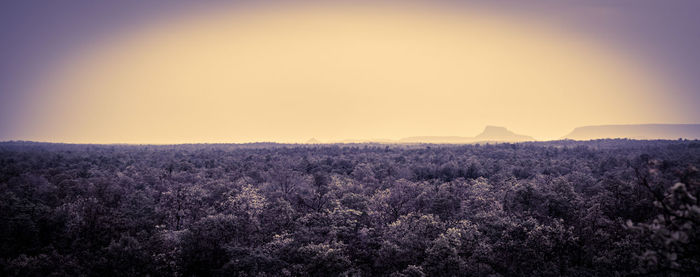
[{"x": 677, "y": 131}]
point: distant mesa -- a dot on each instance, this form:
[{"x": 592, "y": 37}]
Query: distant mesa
[
  {"x": 495, "y": 133},
  {"x": 642, "y": 131},
  {"x": 490, "y": 134},
  {"x": 501, "y": 134}
]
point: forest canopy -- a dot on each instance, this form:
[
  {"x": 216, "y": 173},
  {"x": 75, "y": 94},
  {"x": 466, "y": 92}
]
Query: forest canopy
[{"x": 563, "y": 208}]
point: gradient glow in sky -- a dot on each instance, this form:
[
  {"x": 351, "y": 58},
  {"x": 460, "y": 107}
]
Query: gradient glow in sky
[{"x": 212, "y": 72}]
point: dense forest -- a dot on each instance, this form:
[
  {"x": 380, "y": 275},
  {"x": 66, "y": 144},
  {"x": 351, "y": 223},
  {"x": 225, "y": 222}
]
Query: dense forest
[{"x": 563, "y": 208}]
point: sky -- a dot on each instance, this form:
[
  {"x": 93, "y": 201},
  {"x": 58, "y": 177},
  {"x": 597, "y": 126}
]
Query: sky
[{"x": 174, "y": 71}]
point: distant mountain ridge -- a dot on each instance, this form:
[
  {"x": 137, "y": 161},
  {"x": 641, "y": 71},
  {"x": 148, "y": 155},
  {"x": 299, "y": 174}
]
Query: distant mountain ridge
[
  {"x": 490, "y": 134},
  {"x": 641, "y": 131},
  {"x": 495, "y": 133}
]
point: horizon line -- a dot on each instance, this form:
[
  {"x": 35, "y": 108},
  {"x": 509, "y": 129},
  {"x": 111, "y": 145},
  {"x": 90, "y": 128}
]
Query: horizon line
[
  {"x": 373, "y": 140},
  {"x": 335, "y": 143}
]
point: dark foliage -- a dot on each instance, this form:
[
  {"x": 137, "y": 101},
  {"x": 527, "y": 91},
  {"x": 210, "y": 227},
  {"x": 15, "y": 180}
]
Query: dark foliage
[{"x": 598, "y": 208}]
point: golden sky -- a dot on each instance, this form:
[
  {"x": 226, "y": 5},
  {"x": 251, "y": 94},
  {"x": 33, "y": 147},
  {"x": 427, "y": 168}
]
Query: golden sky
[{"x": 336, "y": 72}]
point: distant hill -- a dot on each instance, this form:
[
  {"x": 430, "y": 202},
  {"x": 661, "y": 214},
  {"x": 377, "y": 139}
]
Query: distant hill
[
  {"x": 495, "y": 133},
  {"x": 643, "y": 131},
  {"x": 490, "y": 133},
  {"x": 313, "y": 141}
]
